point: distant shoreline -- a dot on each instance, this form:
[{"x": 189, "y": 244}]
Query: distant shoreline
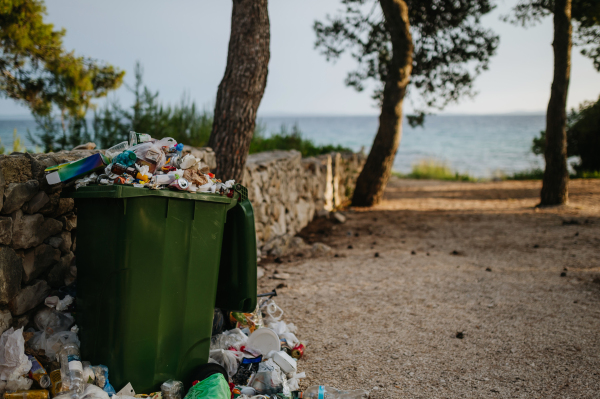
[{"x": 28, "y": 117}]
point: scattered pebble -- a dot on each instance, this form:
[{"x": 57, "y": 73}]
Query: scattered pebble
[
  {"x": 377, "y": 254},
  {"x": 460, "y": 335},
  {"x": 488, "y": 269},
  {"x": 563, "y": 274},
  {"x": 536, "y": 245},
  {"x": 339, "y": 217},
  {"x": 350, "y": 247},
  {"x": 413, "y": 253}
]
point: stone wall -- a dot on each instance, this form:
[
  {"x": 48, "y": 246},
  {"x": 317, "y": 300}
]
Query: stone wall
[
  {"x": 38, "y": 228},
  {"x": 287, "y": 191}
]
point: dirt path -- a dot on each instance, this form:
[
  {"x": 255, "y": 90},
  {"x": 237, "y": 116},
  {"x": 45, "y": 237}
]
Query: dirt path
[{"x": 383, "y": 309}]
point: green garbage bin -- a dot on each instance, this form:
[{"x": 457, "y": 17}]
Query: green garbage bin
[{"x": 151, "y": 265}]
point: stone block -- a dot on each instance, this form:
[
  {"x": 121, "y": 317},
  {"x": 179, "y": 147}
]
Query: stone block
[
  {"x": 54, "y": 241},
  {"x": 31, "y": 230},
  {"x": 5, "y": 320},
  {"x": 36, "y": 203},
  {"x": 6, "y": 230},
  {"x": 52, "y": 205},
  {"x": 69, "y": 221},
  {"x": 66, "y": 242},
  {"x": 17, "y": 194},
  {"x": 15, "y": 168},
  {"x": 56, "y": 277},
  {"x": 25, "y": 229},
  {"x": 11, "y": 269},
  {"x": 29, "y": 297},
  {"x": 37, "y": 260},
  {"x": 65, "y": 205}
]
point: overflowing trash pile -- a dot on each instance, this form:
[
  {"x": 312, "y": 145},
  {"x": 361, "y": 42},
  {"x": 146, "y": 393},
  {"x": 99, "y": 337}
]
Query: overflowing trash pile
[
  {"x": 142, "y": 162},
  {"x": 257, "y": 358}
]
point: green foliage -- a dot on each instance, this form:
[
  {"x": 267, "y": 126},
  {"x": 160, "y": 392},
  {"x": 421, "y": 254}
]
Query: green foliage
[
  {"x": 450, "y": 47},
  {"x": 531, "y": 174},
  {"x": 432, "y": 169},
  {"x": 184, "y": 121},
  {"x": 290, "y": 140},
  {"x": 586, "y": 22},
  {"x": 583, "y": 137},
  {"x": 36, "y": 70}
]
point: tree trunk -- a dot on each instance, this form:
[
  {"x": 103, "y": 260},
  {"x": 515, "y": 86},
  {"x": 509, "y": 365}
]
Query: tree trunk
[
  {"x": 371, "y": 182},
  {"x": 556, "y": 174},
  {"x": 242, "y": 87}
]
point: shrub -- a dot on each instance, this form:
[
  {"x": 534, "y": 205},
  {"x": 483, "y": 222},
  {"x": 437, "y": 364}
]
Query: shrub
[
  {"x": 434, "y": 170},
  {"x": 583, "y": 138}
]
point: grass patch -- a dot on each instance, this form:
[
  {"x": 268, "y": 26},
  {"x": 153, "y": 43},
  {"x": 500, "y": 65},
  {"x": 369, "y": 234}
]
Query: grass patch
[
  {"x": 531, "y": 174},
  {"x": 290, "y": 140},
  {"x": 434, "y": 170}
]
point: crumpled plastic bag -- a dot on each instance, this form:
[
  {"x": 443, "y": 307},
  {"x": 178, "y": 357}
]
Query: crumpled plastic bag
[
  {"x": 285, "y": 332},
  {"x": 13, "y": 361},
  {"x": 55, "y": 341},
  {"x": 270, "y": 379},
  {"x": 52, "y": 321},
  {"x": 228, "y": 359},
  {"x": 213, "y": 387},
  {"x": 101, "y": 373},
  {"x": 18, "y": 384},
  {"x": 294, "y": 380},
  {"x": 94, "y": 392},
  {"x": 232, "y": 338}
]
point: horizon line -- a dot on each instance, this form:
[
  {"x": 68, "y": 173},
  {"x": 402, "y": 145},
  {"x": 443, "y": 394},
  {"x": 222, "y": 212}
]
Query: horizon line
[{"x": 332, "y": 115}]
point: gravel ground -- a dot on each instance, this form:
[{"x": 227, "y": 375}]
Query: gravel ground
[{"x": 452, "y": 290}]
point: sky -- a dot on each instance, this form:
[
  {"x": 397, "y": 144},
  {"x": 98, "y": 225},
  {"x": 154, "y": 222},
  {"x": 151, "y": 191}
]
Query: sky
[{"x": 182, "y": 45}]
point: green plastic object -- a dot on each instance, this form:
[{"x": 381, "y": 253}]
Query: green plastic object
[
  {"x": 149, "y": 266},
  {"x": 213, "y": 387}
]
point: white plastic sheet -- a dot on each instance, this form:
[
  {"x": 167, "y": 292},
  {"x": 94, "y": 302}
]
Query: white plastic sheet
[{"x": 13, "y": 361}]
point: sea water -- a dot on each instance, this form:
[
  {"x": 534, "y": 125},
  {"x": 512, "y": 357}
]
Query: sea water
[{"x": 482, "y": 145}]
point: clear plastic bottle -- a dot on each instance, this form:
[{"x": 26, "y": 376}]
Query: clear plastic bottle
[
  {"x": 323, "y": 392},
  {"x": 71, "y": 367}
]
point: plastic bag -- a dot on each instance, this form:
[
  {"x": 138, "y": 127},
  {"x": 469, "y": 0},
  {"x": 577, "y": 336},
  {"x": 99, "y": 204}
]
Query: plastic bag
[
  {"x": 93, "y": 392},
  {"x": 232, "y": 338},
  {"x": 56, "y": 341},
  {"x": 294, "y": 381},
  {"x": 13, "y": 361},
  {"x": 101, "y": 373},
  {"x": 52, "y": 321},
  {"x": 88, "y": 373},
  {"x": 270, "y": 379},
  {"x": 172, "y": 389},
  {"x": 213, "y": 387},
  {"x": 19, "y": 384},
  {"x": 227, "y": 359}
]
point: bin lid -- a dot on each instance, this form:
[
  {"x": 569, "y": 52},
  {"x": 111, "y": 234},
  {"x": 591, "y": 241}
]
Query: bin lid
[{"x": 123, "y": 191}]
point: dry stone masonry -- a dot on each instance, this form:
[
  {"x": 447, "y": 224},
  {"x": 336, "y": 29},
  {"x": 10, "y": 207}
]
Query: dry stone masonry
[{"x": 38, "y": 228}]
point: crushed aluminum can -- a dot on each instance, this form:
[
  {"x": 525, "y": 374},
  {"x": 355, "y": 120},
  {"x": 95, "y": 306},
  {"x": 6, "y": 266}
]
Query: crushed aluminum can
[
  {"x": 180, "y": 184},
  {"x": 298, "y": 351}
]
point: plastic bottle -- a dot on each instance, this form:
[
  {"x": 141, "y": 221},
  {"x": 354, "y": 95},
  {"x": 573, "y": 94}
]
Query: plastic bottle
[
  {"x": 71, "y": 367},
  {"x": 323, "y": 392}
]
